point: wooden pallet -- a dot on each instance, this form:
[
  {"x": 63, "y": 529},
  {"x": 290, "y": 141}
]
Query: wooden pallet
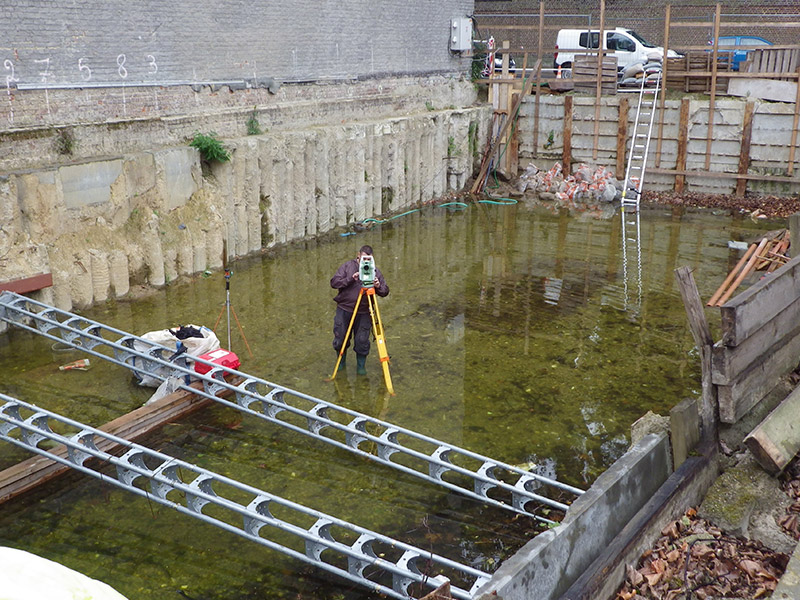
[
  {"x": 680, "y": 72},
  {"x": 766, "y": 255},
  {"x": 584, "y": 74}
]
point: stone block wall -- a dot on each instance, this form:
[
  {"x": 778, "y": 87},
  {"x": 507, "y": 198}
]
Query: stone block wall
[{"x": 146, "y": 218}]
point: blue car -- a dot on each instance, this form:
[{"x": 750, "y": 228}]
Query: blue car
[{"x": 740, "y": 45}]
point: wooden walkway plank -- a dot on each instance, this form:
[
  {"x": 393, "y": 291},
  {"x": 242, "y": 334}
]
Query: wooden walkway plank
[
  {"x": 28, "y": 474},
  {"x": 776, "y": 440}
]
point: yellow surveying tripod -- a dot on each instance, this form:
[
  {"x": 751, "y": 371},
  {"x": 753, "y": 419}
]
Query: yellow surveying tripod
[{"x": 377, "y": 330}]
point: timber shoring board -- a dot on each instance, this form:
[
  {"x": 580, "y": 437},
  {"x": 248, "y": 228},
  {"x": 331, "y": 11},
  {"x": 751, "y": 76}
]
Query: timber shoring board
[
  {"x": 28, "y": 474},
  {"x": 755, "y": 307},
  {"x": 776, "y": 440},
  {"x": 751, "y": 386},
  {"x": 729, "y": 361}
]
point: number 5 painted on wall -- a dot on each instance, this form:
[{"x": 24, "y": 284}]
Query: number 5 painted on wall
[{"x": 86, "y": 72}]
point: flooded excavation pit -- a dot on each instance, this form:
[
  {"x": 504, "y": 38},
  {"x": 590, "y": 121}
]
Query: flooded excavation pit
[{"x": 529, "y": 336}]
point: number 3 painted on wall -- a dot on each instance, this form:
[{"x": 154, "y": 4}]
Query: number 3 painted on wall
[{"x": 152, "y": 64}]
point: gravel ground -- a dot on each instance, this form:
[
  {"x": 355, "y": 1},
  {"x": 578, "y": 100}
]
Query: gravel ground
[{"x": 770, "y": 206}]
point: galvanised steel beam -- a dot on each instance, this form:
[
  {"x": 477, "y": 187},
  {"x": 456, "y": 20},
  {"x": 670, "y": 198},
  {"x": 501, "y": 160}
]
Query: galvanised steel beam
[
  {"x": 349, "y": 551},
  {"x": 446, "y": 465}
]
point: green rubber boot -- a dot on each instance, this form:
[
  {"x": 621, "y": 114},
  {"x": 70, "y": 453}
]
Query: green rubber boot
[
  {"x": 361, "y": 364},
  {"x": 342, "y": 363}
]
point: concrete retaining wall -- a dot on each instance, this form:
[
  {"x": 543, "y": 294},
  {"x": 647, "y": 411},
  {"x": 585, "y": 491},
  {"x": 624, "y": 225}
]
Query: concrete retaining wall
[
  {"x": 146, "y": 218},
  {"x": 547, "y": 565},
  {"x": 769, "y": 149}
]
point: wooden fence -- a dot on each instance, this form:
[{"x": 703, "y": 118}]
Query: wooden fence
[{"x": 704, "y": 69}]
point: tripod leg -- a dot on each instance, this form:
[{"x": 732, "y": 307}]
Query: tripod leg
[
  {"x": 241, "y": 331},
  {"x": 380, "y": 341},
  {"x": 347, "y": 335}
]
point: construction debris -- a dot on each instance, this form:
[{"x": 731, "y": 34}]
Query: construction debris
[
  {"x": 587, "y": 184},
  {"x": 766, "y": 255}
]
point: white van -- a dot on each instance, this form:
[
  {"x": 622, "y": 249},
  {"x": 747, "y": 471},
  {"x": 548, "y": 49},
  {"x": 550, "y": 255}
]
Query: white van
[{"x": 627, "y": 45}]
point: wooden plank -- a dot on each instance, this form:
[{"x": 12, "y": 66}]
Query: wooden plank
[
  {"x": 752, "y": 309},
  {"x": 749, "y": 266},
  {"x": 729, "y": 361},
  {"x": 35, "y": 471},
  {"x": 776, "y": 440},
  {"x": 744, "y": 152},
  {"x": 622, "y": 134},
  {"x": 752, "y": 386},
  {"x": 701, "y": 333},
  {"x": 734, "y": 272},
  {"x": 566, "y": 155},
  {"x": 28, "y": 284},
  {"x": 440, "y": 593}
]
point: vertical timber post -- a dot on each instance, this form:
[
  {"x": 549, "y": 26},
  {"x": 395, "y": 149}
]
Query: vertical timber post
[
  {"x": 683, "y": 142},
  {"x": 713, "y": 97},
  {"x": 622, "y": 134},
  {"x": 599, "y": 89},
  {"x": 663, "y": 94},
  {"x": 744, "y": 153},
  {"x": 701, "y": 333},
  {"x": 566, "y": 157}
]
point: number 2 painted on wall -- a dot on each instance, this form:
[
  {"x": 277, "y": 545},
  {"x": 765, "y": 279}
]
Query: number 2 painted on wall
[{"x": 11, "y": 77}]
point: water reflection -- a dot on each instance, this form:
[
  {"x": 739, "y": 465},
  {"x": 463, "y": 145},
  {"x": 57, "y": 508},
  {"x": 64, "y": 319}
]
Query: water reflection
[{"x": 511, "y": 333}]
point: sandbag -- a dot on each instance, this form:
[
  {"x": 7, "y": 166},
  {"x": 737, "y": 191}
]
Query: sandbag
[{"x": 195, "y": 346}]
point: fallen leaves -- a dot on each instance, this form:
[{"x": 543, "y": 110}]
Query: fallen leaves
[
  {"x": 766, "y": 206},
  {"x": 693, "y": 559}
]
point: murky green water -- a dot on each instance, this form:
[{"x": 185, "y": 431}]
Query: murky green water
[{"x": 515, "y": 332}]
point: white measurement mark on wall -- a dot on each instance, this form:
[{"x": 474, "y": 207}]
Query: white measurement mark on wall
[
  {"x": 85, "y": 71},
  {"x": 123, "y": 73},
  {"x": 45, "y": 75},
  {"x": 10, "y": 78}
]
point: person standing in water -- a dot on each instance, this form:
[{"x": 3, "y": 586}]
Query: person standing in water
[{"x": 348, "y": 282}]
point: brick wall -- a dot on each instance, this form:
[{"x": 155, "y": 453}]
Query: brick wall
[{"x": 62, "y": 42}]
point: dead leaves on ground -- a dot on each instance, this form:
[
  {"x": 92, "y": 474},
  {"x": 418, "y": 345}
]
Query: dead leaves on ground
[{"x": 693, "y": 559}]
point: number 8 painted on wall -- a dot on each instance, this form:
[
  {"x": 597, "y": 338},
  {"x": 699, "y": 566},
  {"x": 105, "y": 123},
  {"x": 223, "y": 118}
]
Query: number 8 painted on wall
[{"x": 123, "y": 72}]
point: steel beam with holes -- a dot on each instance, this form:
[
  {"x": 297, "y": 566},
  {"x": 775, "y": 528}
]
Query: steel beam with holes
[
  {"x": 446, "y": 465},
  {"x": 188, "y": 488}
]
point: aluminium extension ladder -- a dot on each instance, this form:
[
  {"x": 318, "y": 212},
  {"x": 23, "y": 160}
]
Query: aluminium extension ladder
[{"x": 640, "y": 143}]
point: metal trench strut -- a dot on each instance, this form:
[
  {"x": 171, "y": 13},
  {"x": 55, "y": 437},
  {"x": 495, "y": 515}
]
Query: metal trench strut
[
  {"x": 382, "y": 440},
  {"x": 188, "y": 488}
]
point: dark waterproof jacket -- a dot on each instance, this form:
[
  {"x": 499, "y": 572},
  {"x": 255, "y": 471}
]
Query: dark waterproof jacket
[{"x": 349, "y": 287}]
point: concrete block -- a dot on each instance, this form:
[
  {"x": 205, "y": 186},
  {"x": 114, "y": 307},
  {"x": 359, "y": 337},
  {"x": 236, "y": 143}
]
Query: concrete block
[
  {"x": 178, "y": 166},
  {"x": 684, "y": 426},
  {"x": 90, "y": 183},
  {"x": 547, "y": 565},
  {"x": 764, "y": 89},
  {"x": 776, "y": 440}
]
